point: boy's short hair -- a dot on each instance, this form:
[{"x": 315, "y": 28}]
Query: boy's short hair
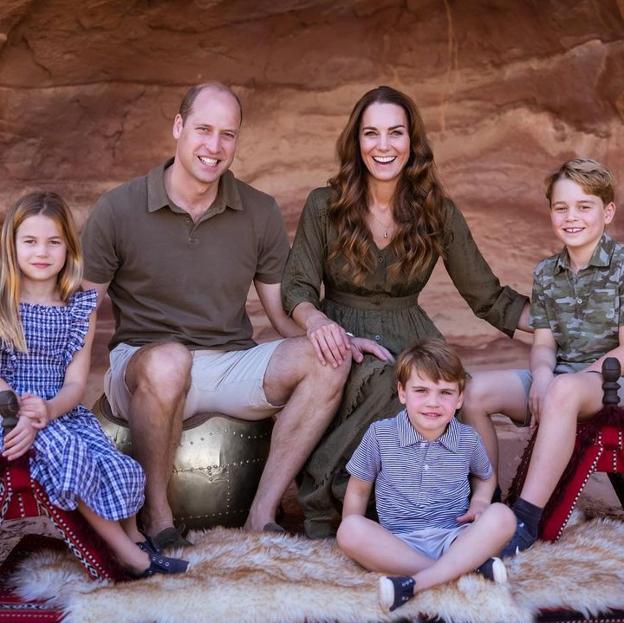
[
  {"x": 434, "y": 359},
  {"x": 592, "y": 176}
]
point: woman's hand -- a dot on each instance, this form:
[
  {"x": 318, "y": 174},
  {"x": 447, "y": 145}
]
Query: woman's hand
[
  {"x": 361, "y": 345},
  {"x": 330, "y": 341},
  {"x": 18, "y": 441},
  {"x": 36, "y": 409}
]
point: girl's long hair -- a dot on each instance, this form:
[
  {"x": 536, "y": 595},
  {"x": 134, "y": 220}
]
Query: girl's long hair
[
  {"x": 68, "y": 281},
  {"x": 417, "y": 205}
]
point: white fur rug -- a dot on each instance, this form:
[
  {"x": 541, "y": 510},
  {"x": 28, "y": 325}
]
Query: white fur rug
[{"x": 269, "y": 578}]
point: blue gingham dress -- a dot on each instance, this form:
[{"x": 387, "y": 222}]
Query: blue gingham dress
[{"x": 74, "y": 460}]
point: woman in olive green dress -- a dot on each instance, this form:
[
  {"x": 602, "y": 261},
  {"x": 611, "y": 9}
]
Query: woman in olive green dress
[{"x": 371, "y": 239}]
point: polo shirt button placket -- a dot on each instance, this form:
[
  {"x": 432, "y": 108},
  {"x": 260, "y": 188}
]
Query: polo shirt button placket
[{"x": 191, "y": 239}]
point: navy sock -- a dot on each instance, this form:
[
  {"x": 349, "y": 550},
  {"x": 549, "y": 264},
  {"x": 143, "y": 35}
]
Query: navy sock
[{"x": 529, "y": 514}]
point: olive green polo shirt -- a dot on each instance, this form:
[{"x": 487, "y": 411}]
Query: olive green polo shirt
[
  {"x": 171, "y": 278},
  {"x": 585, "y": 310}
]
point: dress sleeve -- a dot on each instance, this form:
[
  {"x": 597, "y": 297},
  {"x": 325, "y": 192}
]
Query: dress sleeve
[
  {"x": 81, "y": 305},
  {"x": 8, "y": 361},
  {"x": 304, "y": 269},
  {"x": 500, "y": 305}
]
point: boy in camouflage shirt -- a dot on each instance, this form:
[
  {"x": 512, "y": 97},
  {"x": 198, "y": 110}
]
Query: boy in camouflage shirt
[{"x": 577, "y": 311}]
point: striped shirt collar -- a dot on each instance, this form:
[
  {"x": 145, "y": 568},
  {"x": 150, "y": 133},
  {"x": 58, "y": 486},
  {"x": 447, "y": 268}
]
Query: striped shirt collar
[{"x": 408, "y": 435}]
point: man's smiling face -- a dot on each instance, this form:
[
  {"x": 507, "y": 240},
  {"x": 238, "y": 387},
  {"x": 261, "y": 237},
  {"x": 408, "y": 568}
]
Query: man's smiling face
[{"x": 207, "y": 139}]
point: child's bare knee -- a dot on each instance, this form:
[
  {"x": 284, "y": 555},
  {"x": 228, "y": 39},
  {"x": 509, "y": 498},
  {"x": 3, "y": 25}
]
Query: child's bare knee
[
  {"x": 349, "y": 531},
  {"x": 481, "y": 396},
  {"x": 503, "y": 517},
  {"x": 566, "y": 391}
]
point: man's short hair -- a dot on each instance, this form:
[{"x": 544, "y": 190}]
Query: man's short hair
[
  {"x": 186, "y": 106},
  {"x": 592, "y": 176},
  {"x": 434, "y": 359}
]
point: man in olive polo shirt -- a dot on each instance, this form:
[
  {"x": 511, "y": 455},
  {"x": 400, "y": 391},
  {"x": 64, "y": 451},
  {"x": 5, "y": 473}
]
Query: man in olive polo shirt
[{"x": 177, "y": 251}]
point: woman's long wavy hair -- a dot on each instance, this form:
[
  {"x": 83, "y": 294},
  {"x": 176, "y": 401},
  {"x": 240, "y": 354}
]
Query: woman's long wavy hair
[
  {"x": 68, "y": 281},
  {"x": 417, "y": 205}
]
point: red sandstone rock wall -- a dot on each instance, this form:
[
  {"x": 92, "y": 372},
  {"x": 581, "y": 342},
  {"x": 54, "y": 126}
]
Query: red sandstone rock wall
[{"x": 508, "y": 89}]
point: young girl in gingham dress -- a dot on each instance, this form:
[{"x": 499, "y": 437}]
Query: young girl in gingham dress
[{"x": 46, "y": 331}]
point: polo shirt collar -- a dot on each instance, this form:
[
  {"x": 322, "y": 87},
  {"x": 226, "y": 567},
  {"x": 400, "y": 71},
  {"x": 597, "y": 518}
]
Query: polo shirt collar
[
  {"x": 601, "y": 257},
  {"x": 228, "y": 195},
  {"x": 156, "y": 194},
  {"x": 408, "y": 435},
  {"x": 157, "y": 198}
]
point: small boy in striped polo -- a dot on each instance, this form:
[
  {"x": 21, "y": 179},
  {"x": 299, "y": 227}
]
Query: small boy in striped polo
[{"x": 431, "y": 529}]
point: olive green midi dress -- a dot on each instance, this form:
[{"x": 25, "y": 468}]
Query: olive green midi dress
[{"x": 382, "y": 310}]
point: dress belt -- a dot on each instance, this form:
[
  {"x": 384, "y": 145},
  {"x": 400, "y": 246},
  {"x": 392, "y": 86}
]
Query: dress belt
[{"x": 373, "y": 301}]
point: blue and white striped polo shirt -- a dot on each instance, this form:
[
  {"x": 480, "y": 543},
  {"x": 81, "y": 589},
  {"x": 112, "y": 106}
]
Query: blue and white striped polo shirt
[{"x": 418, "y": 483}]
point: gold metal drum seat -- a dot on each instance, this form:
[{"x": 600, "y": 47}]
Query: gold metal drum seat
[{"x": 217, "y": 466}]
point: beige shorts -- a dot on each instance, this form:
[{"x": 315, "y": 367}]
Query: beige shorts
[{"x": 225, "y": 382}]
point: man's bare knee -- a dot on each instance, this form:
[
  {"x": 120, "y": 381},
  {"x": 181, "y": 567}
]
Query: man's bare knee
[
  {"x": 163, "y": 370},
  {"x": 332, "y": 378},
  {"x": 294, "y": 362}
]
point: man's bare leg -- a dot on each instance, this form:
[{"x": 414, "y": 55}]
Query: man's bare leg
[
  {"x": 158, "y": 377},
  {"x": 312, "y": 393}
]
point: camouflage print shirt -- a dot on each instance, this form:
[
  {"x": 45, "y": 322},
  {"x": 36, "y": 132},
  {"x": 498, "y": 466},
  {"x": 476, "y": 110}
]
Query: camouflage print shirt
[{"x": 583, "y": 311}]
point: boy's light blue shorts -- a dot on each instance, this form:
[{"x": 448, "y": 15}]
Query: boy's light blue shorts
[
  {"x": 432, "y": 542},
  {"x": 526, "y": 378}
]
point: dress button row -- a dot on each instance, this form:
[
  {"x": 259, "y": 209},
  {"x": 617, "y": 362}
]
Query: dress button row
[{"x": 378, "y": 338}]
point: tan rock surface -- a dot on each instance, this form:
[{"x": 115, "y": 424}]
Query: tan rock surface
[{"x": 507, "y": 89}]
